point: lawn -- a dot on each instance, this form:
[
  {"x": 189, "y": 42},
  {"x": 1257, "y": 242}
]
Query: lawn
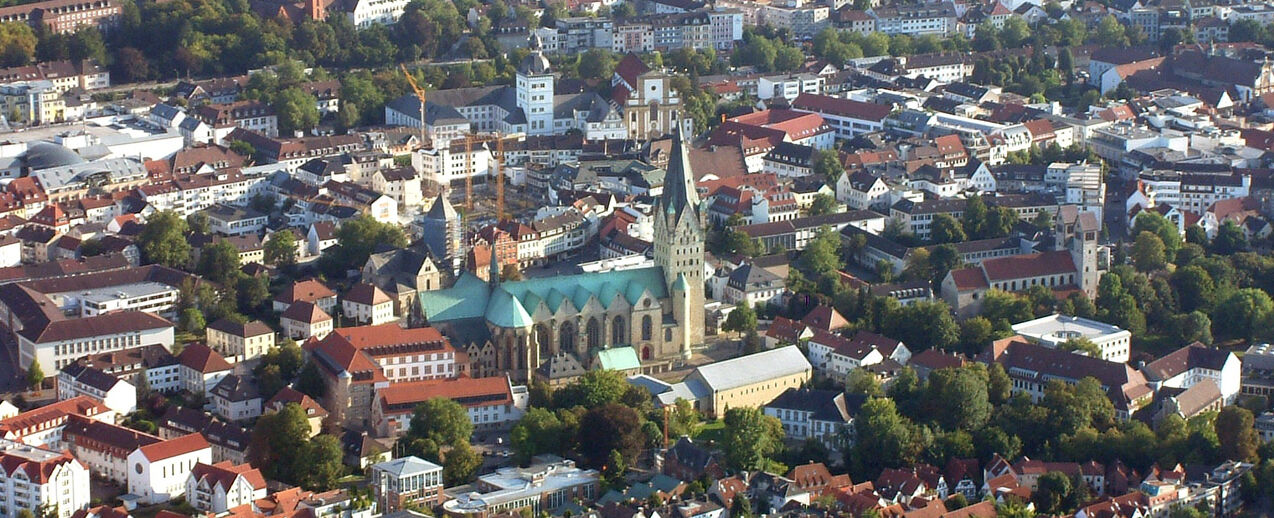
[{"x": 711, "y": 431}]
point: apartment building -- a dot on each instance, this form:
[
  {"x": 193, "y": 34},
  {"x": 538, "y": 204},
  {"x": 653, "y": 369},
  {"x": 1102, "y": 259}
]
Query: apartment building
[
  {"x": 239, "y": 341},
  {"x": 41, "y": 481},
  {"x": 407, "y": 481}
]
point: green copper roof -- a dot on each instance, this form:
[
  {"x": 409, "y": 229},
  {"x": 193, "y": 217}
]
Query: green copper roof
[
  {"x": 505, "y": 311},
  {"x": 680, "y": 284},
  {"x": 618, "y": 358},
  {"x": 470, "y": 297},
  {"x": 467, "y": 298}
]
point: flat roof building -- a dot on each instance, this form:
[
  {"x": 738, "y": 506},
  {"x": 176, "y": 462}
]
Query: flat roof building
[{"x": 1055, "y": 330}]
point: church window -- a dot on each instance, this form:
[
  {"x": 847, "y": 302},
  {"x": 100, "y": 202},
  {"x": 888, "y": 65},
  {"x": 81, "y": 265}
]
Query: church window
[
  {"x": 566, "y": 337},
  {"x": 617, "y": 335},
  {"x": 646, "y": 326},
  {"x": 594, "y": 331},
  {"x": 668, "y": 335}
]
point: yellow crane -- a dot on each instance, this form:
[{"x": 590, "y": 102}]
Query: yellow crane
[
  {"x": 478, "y": 138},
  {"x": 420, "y": 94}
]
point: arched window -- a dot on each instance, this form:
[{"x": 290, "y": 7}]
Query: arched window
[
  {"x": 617, "y": 334},
  {"x": 645, "y": 353},
  {"x": 594, "y": 331},
  {"x": 566, "y": 337},
  {"x": 543, "y": 337},
  {"x": 647, "y": 328}
]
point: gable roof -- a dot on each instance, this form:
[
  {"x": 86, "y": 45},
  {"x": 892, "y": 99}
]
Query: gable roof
[
  {"x": 174, "y": 447},
  {"x": 1192, "y": 356},
  {"x": 202, "y": 358}
]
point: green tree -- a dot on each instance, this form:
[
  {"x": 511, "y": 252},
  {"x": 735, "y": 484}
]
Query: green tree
[
  {"x": 594, "y": 389},
  {"x": 959, "y": 398},
  {"x": 356, "y": 239},
  {"x": 442, "y": 421},
  {"x": 883, "y": 437},
  {"x": 609, "y": 427},
  {"x": 822, "y": 254},
  {"x": 219, "y": 263},
  {"x": 163, "y": 240},
  {"x": 1148, "y": 252},
  {"x": 862, "y": 381},
  {"x": 1167, "y": 231},
  {"x": 945, "y": 229},
  {"x": 35, "y": 375},
  {"x": 280, "y": 249},
  {"x": 1053, "y": 488},
  {"x": 975, "y": 334},
  {"x": 1237, "y": 437},
  {"x": 192, "y": 321},
  {"x": 297, "y": 110},
  {"x": 1195, "y": 288},
  {"x": 741, "y": 320},
  {"x": 1244, "y": 314},
  {"x": 17, "y": 44},
  {"x": 822, "y": 204},
  {"x": 923, "y": 325},
  {"x": 277, "y": 439},
  {"x": 1194, "y": 326},
  {"x": 1110, "y": 33},
  {"x": 539, "y": 431},
  {"x": 1230, "y": 239},
  {"x": 827, "y": 164},
  {"x": 460, "y": 465},
  {"x": 750, "y": 438},
  {"x": 1003, "y": 309},
  {"x": 319, "y": 464},
  {"x": 1083, "y": 345},
  {"x": 975, "y": 213}
]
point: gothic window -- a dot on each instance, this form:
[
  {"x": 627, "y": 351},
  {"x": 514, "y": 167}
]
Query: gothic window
[
  {"x": 647, "y": 328},
  {"x": 594, "y": 332},
  {"x": 543, "y": 337},
  {"x": 566, "y": 337},
  {"x": 617, "y": 334}
]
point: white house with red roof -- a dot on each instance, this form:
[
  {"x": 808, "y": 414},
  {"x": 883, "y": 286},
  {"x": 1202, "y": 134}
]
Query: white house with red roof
[
  {"x": 217, "y": 488},
  {"x": 755, "y": 134},
  {"x": 849, "y": 118},
  {"x": 43, "y": 426},
  {"x": 835, "y": 356},
  {"x": 368, "y": 305},
  {"x": 304, "y": 320},
  {"x": 45, "y": 482},
  {"x": 158, "y": 472},
  {"x": 201, "y": 368},
  {"x": 645, "y": 98}
]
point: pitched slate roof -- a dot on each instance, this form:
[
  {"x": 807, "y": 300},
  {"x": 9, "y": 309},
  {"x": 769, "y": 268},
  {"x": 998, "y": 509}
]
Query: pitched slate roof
[
  {"x": 754, "y": 368},
  {"x": 1193, "y": 356}
]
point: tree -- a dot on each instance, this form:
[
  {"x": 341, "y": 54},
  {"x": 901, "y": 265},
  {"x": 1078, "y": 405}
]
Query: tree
[
  {"x": 442, "y": 421},
  {"x": 883, "y": 437},
  {"x": 1194, "y": 326},
  {"x": 822, "y": 254},
  {"x": 823, "y": 204},
  {"x": 280, "y": 249},
  {"x": 923, "y": 325},
  {"x": 1244, "y": 314},
  {"x": 594, "y": 389},
  {"x": 1082, "y": 345},
  {"x": 192, "y": 321},
  {"x": 219, "y": 263},
  {"x": 1110, "y": 33},
  {"x": 357, "y": 238},
  {"x": 277, "y": 439},
  {"x": 252, "y": 293},
  {"x": 862, "y": 381},
  {"x": 319, "y": 463},
  {"x": 163, "y": 240},
  {"x": 1003, "y": 309},
  {"x": 999, "y": 386},
  {"x": 539, "y": 431},
  {"x": 1237, "y": 437},
  {"x": 35, "y": 375},
  {"x": 460, "y": 464},
  {"x": 297, "y": 110},
  {"x": 1155, "y": 223},
  {"x": 1148, "y": 252},
  {"x": 310, "y": 382},
  {"x": 1230, "y": 239},
  {"x": 17, "y": 44},
  {"x": 741, "y": 320},
  {"x": 750, "y": 437},
  {"x": 975, "y": 334},
  {"x": 1052, "y": 490},
  {"x": 1195, "y": 288},
  {"x": 827, "y": 164},
  {"x": 974, "y": 216},
  {"x": 959, "y": 398},
  {"x": 609, "y": 427},
  {"x": 945, "y": 229}
]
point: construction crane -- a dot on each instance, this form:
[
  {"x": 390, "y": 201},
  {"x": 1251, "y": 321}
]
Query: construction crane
[
  {"x": 420, "y": 94},
  {"x": 479, "y": 138}
]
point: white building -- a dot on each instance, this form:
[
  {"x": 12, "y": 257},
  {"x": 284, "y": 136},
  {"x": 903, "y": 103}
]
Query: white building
[
  {"x": 549, "y": 483},
  {"x": 1055, "y": 330},
  {"x": 201, "y": 368},
  {"x": 236, "y": 398},
  {"x": 160, "y": 470},
  {"x": 367, "y": 305},
  {"x": 1082, "y": 184},
  {"x": 835, "y": 356},
  {"x": 41, "y": 481},
  {"x": 217, "y": 488},
  {"x": 365, "y": 13},
  {"x": 824, "y": 415},
  {"x": 237, "y": 342},
  {"x": 789, "y": 87},
  {"x": 493, "y": 403},
  {"x": 76, "y": 380},
  {"x": 1194, "y": 363},
  {"x": 406, "y": 481}
]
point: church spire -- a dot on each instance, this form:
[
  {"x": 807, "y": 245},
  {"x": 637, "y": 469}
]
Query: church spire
[
  {"x": 494, "y": 272},
  {"x": 679, "y": 181}
]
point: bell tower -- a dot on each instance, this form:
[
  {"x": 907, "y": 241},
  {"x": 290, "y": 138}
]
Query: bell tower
[{"x": 679, "y": 245}]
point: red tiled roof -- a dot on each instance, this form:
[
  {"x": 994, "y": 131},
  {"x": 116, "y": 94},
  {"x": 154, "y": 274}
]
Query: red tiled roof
[
  {"x": 308, "y": 290},
  {"x": 1056, "y": 262},
  {"x": 174, "y": 447},
  {"x": 841, "y": 107},
  {"x": 225, "y": 473},
  {"x": 967, "y": 279},
  {"x": 202, "y": 358},
  {"x": 403, "y": 397},
  {"x": 306, "y": 312}
]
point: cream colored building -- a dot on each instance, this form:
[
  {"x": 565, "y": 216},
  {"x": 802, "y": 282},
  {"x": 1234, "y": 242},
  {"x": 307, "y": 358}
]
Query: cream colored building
[
  {"x": 238, "y": 342},
  {"x": 747, "y": 381}
]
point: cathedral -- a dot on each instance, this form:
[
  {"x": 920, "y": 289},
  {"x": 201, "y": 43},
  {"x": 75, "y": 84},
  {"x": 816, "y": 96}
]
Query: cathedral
[{"x": 514, "y": 327}]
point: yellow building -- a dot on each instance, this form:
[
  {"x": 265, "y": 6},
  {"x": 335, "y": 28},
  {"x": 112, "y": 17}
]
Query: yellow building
[
  {"x": 746, "y": 381},
  {"x": 238, "y": 342}
]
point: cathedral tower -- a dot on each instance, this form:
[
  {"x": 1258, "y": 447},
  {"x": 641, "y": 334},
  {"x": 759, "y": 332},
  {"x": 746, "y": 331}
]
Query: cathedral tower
[{"x": 679, "y": 249}]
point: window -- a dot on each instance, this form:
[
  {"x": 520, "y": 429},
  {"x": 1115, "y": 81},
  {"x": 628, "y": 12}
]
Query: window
[{"x": 646, "y": 327}]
